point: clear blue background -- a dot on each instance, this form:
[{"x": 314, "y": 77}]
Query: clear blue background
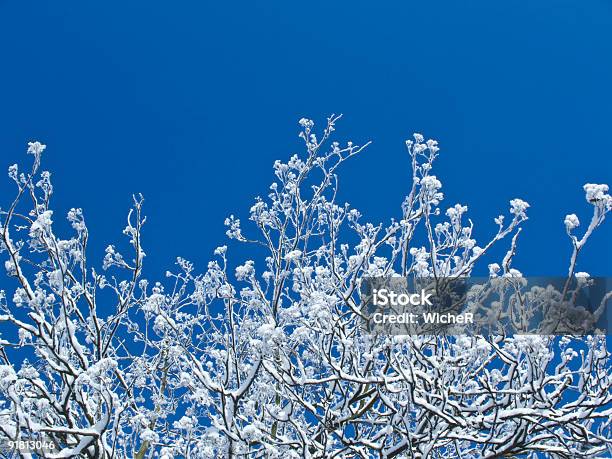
[{"x": 190, "y": 103}]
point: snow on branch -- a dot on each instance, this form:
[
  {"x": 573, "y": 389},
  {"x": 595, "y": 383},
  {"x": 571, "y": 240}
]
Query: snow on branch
[{"x": 269, "y": 359}]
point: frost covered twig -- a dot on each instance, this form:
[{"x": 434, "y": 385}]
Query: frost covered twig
[{"x": 269, "y": 359}]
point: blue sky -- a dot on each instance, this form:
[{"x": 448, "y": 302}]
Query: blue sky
[{"x": 191, "y": 102}]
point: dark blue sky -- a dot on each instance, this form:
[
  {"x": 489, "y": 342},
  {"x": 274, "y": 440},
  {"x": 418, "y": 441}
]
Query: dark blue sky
[{"x": 190, "y": 103}]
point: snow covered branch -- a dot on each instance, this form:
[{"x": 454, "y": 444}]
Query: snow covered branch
[{"x": 267, "y": 357}]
